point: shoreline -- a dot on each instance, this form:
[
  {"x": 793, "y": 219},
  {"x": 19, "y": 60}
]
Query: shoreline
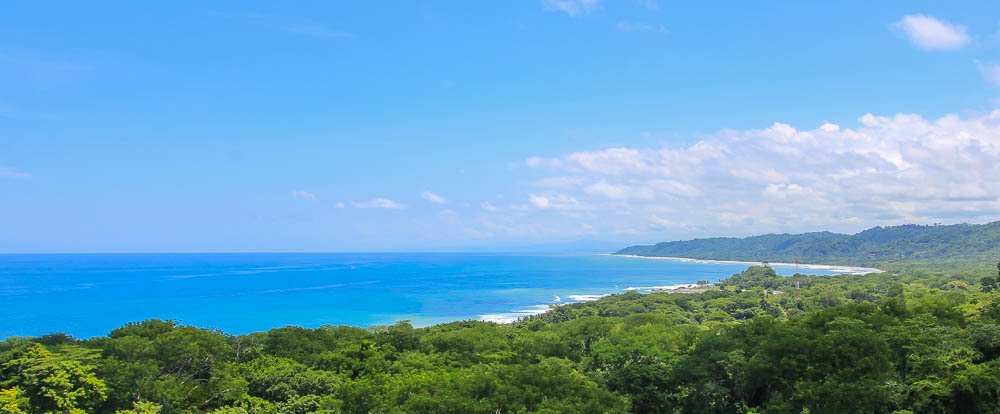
[
  {"x": 515, "y": 315},
  {"x": 843, "y": 269}
]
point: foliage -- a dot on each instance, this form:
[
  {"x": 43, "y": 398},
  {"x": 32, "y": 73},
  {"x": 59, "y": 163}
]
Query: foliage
[
  {"x": 13, "y": 402},
  {"x": 917, "y": 341}
]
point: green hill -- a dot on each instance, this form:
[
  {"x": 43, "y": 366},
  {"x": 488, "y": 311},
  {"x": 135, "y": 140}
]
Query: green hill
[{"x": 894, "y": 247}]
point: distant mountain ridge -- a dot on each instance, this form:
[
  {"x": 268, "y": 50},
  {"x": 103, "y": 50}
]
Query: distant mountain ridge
[{"x": 890, "y": 247}]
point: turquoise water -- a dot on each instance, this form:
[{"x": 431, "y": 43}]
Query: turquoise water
[{"x": 88, "y": 295}]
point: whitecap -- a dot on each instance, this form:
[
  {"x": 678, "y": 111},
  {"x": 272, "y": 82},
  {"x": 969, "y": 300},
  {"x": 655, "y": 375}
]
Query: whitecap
[
  {"x": 515, "y": 315},
  {"x": 585, "y": 298}
]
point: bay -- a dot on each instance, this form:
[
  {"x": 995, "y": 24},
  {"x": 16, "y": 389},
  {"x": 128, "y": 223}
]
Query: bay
[{"x": 88, "y": 295}]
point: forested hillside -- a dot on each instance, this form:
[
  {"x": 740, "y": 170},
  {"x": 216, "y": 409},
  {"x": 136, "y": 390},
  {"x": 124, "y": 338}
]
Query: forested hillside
[
  {"x": 890, "y": 248},
  {"x": 925, "y": 342}
]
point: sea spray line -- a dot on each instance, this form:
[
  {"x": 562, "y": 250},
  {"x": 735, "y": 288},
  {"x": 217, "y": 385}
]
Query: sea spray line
[{"x": 514, "y": 316}]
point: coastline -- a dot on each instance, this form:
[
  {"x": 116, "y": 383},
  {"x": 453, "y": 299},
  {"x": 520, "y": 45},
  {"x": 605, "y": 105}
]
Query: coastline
[
  {"x": 842, "y": 269},
  {"x": 515, "y": 315}
]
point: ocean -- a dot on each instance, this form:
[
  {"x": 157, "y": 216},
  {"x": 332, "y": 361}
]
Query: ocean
[{"x": 88, "y": 295}]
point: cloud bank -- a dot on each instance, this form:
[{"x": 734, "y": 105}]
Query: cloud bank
[{"x": 888, "y": 170}]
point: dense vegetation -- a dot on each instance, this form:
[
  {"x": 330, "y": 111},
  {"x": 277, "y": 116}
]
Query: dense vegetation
[
  {"x": 891, "y": 248},
  {"x": 920, "y": 341}
]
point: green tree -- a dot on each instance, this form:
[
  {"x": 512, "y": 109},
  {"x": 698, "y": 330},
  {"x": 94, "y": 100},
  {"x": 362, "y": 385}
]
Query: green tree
[
  {"x": 13, "y": 402},
  {"x": 988, "y": 284},
  {"x": 50, "y": 382},
  {"x": 142, "y": 408}
]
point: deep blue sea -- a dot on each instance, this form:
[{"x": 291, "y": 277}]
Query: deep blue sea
[{"x": 87, "y": 295}]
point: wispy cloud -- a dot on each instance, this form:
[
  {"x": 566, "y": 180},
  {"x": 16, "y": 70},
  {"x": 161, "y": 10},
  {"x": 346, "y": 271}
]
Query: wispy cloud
[
  {"x": 486, "y": 205},
  {"x": 292, "y": 25},
  {"x": 379, "y": 202},
  {"x": 572, "y": 7},
  {"x": 930, "y": 33},
  {"x": 304, "y": 195},
  {"x": 434, "y": 198},
  {"x": 8, "y": 172}
]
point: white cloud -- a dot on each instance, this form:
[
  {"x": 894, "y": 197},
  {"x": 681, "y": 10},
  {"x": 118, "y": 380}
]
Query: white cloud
[
  {"x": 553, "y": 201},
  {"x": 887, "y": 170},
  {"x": 572, "y": 7},
  {"x": 990, "y": 71},
  {"x": 929, "y": 33},
  {"x": 7, "y": 172},
  {"x": 539, "y": 201},
  {"x": 304, "y": 195},
  {"x": 535, "y": 162},
  {"x": 560, "y": 181},
  {"x": 486, "y": 205},
  {"x": 612, "y": 191},
  {"x": 434, "y": 198},
  {"x": 378, "y": 203}
]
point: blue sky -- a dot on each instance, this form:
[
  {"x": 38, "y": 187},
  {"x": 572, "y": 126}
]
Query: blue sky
[{"x": 264, "y": 126}]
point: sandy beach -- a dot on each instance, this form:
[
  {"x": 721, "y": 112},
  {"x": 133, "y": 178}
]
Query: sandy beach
[{"x": 851, "y": 270}]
